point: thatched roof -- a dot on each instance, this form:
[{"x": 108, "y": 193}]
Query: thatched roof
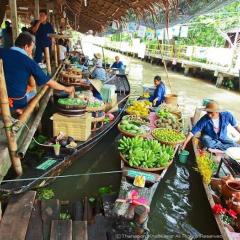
[
  {"x": 98, "y": 14},
  {"x": 83, "y": 15}
]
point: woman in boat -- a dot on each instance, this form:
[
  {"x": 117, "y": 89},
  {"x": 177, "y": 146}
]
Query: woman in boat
[
  {"x": 18, "y": 67},
  {"x": 99, "y": 72},
  {"x": 159, "y": 93},
  {"x": 213, "y": 128}
]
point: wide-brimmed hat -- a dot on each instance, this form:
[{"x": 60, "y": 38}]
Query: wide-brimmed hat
[
  {"x": 212, "y": 106},
  {"x": 98, "y": 55},
  {"x": 97, "y": 84}
]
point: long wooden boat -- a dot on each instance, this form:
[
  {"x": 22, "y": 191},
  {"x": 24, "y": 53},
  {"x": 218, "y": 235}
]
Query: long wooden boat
[
  {"x": 134, "y": 203},
  {"x": 51, "y": 165},
  {"x": 211, "y": 197}
]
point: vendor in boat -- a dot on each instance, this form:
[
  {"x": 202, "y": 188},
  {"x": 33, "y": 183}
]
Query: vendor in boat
[
  {"x": 118, "y": 64},
  {"x": 18, "y": 67},
  {"x": 159, "y": 93},
  {"x": 213, "y": 128},
  {"x": 99, "y": 72}
]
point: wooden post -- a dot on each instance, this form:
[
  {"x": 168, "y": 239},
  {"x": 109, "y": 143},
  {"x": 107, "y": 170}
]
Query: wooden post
[
  {"x": 13, "y": 9},
  {"x": 6, "y": 114},
  {"x": 48, "y": 61},
  {"x": 36, "y": 10},
  {"x": 56, "y": 53}
]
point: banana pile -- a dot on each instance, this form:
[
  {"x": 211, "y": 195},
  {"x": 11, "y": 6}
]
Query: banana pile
[{"x": 139, "y": 108}]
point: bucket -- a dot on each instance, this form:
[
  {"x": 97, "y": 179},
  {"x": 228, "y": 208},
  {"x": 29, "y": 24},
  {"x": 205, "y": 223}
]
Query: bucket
[
  {"x": 206, "y": 101},
  {"x": 183, "y": 156},
  {"x": 171, "y": 99}
]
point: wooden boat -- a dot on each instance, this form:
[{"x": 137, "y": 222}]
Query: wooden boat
[
  {"x": 50, "y": 165},
  {"x": 133, "y": 203},
  {"x": 211, "y": 196}
]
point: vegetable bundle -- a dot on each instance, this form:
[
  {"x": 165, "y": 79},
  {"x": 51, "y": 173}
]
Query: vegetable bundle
[
  {"x": 71, "y": 101},
  {"x": 145, "y": 153}
]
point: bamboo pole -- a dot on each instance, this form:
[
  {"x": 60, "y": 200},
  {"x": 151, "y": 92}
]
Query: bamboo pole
[
  {"x": 56, "y": 53},
  {"x": 36, "y": 10},
  {"x": 48, "y": 61},
  {"x": 13, "y": 9},
  {"x": 6, "y": 114}
]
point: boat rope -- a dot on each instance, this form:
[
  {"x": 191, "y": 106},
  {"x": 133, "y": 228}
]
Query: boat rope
[{"x": 63, "y": 176}]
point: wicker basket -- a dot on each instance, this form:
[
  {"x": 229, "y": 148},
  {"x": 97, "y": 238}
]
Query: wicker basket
[
  {"x": 77, "y": 127},
  {"x": 98, "y": 116},
  {"x": 127, "y": 134},
  {"x": 171, "y": 99},
  {"x": 168, "y": 143},
  {"x": 71, "y": 77},
  {"x": 97, "y": 123},
  {"x": 145, "y": 169}
]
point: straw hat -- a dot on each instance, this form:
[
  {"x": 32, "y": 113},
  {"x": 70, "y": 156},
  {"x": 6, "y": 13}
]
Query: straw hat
[
  {"x": 212, "y": 107},
  {"x": 97, "y": 84},
  {"x": 98, "y": 55}
]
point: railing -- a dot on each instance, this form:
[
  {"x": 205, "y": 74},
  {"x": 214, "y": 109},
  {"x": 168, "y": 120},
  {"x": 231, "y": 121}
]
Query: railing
[{"x": 221, "y": 57}]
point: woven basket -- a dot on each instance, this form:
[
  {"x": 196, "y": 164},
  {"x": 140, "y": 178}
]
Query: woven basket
[
  {"x": 127, "y": 134},
  {"x": 145, "y": 169},
  {"x": 69, "y": 77},
  {"x": 168, "y": 143},
  {"x": 77, "y": 127}
]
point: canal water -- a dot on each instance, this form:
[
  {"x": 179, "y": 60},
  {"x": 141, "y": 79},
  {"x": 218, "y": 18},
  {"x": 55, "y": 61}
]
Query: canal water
[{"x": 179, "y": 209}]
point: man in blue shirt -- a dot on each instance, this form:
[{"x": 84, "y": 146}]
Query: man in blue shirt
[
  {"x": 18, "y": 67},
  {"x": 213, "y": 128},
  {"x": 118, "y": 64},
  {"x": 159, "y": 93},
  {"x": 41, "y": 30}
]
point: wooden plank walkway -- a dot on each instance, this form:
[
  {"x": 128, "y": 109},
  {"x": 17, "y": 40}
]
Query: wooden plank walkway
[
  {"x": 26, "y": 218},
  {"x": 16, "y": 218}
]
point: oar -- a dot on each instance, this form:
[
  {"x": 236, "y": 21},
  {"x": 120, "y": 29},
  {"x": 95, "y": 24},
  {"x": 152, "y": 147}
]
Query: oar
[{"x": 118, "y": 103}]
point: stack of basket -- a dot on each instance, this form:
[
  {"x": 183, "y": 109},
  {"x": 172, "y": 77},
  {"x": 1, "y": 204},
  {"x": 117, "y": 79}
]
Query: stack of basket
[{"x": 73, "y": 76}]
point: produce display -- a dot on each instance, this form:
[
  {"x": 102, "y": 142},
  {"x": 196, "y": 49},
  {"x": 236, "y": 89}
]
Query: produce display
[
  {"x": 168, "y": 135},
  {"x": 139, "y": 108},
  {"x": 72, "y": 102},
  {"x": 171, "y": 123},
  {"x": 206, "y": 166},
  {"x": 134, "y": 128},
  {"x": 142, "y": 120},
  {"x": 145, "y": 153}
]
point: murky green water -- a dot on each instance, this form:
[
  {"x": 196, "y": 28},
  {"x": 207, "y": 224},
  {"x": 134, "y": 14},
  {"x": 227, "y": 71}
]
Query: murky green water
[{"x": 179, "y": 209}]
